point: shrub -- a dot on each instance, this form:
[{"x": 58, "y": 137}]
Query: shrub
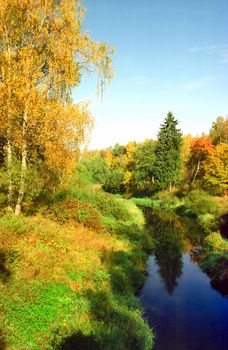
[
  {"x": 105, "y": 203},
  {"x": 114, "y": 182},
  {"x": 216, "y": 242},
  {"x": 97, "y": 167},
  {"x": 14, "y": 224},
  {"x": 110, "y": 224},
  {"x": 81, "y": 211},
  {"x": 198, "y": 203},
  {"x": 110, "y": 206},
  {"x": 167, "y": 200},
  {"x": 88, "y": 215}
]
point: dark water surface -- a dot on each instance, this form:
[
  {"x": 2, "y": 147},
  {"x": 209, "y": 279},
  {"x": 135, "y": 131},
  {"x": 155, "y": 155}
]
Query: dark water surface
[{"x": 181, "y": 306}]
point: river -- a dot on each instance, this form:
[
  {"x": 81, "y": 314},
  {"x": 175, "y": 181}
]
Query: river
[{"x": 180, "y": 301}]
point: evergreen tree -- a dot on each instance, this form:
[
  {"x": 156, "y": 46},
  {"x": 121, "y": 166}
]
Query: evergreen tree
[{"x": 168, "y": 153}]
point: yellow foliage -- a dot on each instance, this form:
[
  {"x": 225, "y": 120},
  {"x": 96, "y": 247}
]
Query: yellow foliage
[
  {"x": 216, "y": 167},
  {"x": 43, "y": 56}
]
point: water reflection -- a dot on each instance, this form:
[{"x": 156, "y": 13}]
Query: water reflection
[
  {"x": 168, "y": 252},
  {"x": 168, "y": 255},
  {"x": 224, "y": 225},
  {"x": 181, "y": 303},
  {"x": 169, "y": 259}
]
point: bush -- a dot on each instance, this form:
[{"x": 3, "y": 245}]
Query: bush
[
  {"x": 114, "y": 182},
  {"x": 217, "y": 243},
  {"x": 81, "y": 211},
  {"x": 110, "y": 206},
  {"x": 81, "y": 177},
  {"x": 97, "y": 167},
  {"x": 198, "y": 203},
  {"x": 105, "y": 203},
  {"x": 14, "y": 224},
  {"x": 167, "y": 200}
]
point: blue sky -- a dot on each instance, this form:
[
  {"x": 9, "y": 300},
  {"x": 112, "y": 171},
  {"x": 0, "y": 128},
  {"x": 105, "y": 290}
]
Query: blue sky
[{"x": 170, "y": 55}]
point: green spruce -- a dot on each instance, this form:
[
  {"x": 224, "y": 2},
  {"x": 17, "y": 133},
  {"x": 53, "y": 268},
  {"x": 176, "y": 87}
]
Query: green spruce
[{"x": 168, "y": 153}]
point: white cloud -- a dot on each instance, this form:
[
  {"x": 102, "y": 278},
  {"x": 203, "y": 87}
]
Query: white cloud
[
  {"x": 219, "y": 51},
  {"x": 197, "y": 83},
  {"x": 141, "y": 80}
]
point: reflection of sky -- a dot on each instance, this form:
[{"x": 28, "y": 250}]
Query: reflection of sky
[
  {"x": 194, "y": 317},
  {"x": 170, "y": 55}
]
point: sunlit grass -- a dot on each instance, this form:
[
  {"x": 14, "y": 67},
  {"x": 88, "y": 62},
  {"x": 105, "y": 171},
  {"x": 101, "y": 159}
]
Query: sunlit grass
[{"x": 56, "y": 277}]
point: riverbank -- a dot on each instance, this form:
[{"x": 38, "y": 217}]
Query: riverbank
[
  {"x": 207, "y": 212},
  {"x": 69, "y": 274},
  {"x": 182, "y": 303}
]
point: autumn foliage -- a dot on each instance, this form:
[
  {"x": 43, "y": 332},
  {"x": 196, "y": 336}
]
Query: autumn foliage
[
  {"x": 43, "y": 54},
  {"x": 216, "y": 168},
  {"x": 200, "y": 148}
]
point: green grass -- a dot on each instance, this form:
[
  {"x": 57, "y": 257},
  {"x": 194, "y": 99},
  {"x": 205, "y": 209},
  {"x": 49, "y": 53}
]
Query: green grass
[
  {"x": 49, "y": 306},
  {"x": 146, "y": 202},
  {"x": 67, "y": 283}
]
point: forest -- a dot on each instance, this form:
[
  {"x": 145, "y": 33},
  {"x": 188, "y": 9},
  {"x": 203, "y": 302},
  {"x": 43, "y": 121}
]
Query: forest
[{"x": 73, "y": 237}]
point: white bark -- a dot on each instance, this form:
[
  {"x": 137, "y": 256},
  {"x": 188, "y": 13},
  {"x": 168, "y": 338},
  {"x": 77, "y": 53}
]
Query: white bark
[
  {"x": 24, "y": 153},
  {"x": 9, "y": 174},
  {"x": 197, "y": 170},
  {"x": 8, "y": 135},
  {"x": 23, "y": 171}
]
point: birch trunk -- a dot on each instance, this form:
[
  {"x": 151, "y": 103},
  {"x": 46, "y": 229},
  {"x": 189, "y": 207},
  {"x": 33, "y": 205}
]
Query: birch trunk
[
  {"x": 170, "y": 186},
  {"x": 9, "y": 173},
  {"x": 197, "y": 170},
  {"x": 23, "y": 172},
  {"x": 8, "y": 134},
  {"x": 24, "y": 153}
]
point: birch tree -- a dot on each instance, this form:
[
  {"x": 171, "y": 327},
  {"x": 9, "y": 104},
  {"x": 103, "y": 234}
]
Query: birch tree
[
  {"x": 43, "y": 55},
  {"x": 200, "y": 149}
]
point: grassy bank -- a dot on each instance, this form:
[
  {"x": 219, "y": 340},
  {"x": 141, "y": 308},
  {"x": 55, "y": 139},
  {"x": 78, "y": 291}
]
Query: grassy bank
[
  {"x": 69, "y": 275},
  {"x": 207, "y": 211},
  {"x": 196, "y": 204}
]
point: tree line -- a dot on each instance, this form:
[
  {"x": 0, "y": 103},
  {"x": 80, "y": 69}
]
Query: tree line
[
  {"x": 43, "y": 55},
  {"x": 170, "y": 161}
]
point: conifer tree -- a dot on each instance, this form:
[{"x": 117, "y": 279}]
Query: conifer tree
[{"x": 168, "y": 153}]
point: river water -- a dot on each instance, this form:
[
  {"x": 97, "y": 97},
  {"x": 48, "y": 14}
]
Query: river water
[{"x": 180, "y": 301}]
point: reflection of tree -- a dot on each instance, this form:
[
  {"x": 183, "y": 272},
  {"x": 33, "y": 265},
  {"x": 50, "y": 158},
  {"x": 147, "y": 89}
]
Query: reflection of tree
[
  {"x": 218, "y": 274},
  {"x": 168, "y": 255},
  {"x": 224, "y": 225},
  {"x": 168, "y": 252},
  {"x": 221, "y": 286}
]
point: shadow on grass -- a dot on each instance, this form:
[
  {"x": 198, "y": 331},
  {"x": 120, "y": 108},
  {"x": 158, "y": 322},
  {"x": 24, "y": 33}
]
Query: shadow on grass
[
  {"x": 120, "y": 325},
  {"x": 5, "y": 275},
  {"x": 79, "y": 341},
  {"x": 115, "y": 312},
  {"x": 3, "y": 344},
  {"x": 126, "y": 270},
  {"x": 4, "y": 271}
]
